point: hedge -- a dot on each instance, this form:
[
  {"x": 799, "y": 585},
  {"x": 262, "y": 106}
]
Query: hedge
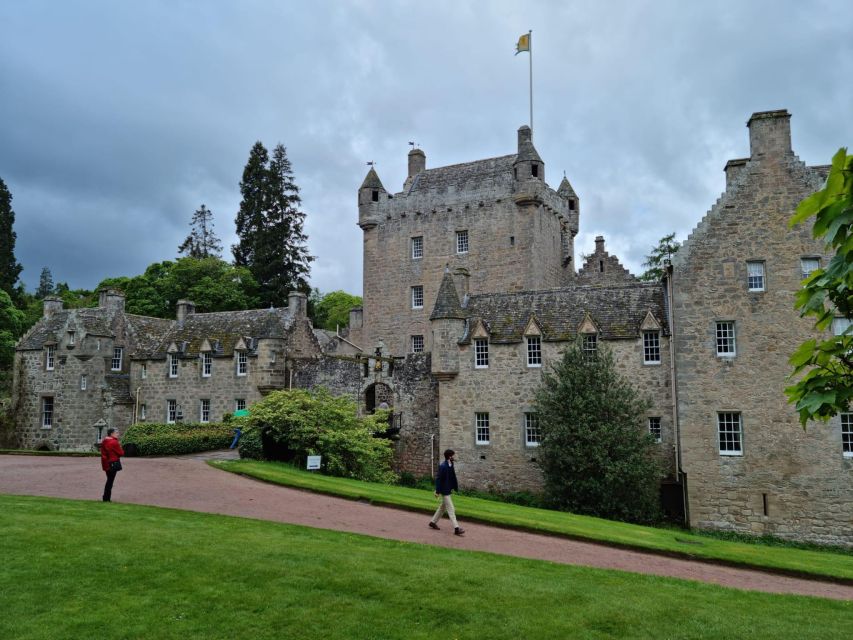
[{"x": 156, "y": 439}]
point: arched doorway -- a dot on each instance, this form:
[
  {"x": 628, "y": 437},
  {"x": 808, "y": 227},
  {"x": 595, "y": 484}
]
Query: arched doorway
[{"x": 376, "y": 394}]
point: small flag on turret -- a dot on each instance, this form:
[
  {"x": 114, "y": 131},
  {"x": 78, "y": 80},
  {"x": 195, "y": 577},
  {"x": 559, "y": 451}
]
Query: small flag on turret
[{"x": 523, "y": 44}]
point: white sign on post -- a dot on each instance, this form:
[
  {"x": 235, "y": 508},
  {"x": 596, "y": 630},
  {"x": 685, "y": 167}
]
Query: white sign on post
[{"x": 313, "y": 463}]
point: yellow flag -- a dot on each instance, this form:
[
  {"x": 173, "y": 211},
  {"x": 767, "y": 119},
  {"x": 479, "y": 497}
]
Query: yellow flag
[{"x": 523, "y": 44}]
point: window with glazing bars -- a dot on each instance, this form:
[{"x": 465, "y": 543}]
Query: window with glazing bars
[
  {"x": 725, "y": 338},
  {"x": 462, "y": 241},
  {"x": 730, "y": 432},
  {"x": 589, "y": 343},
  {"x": 117, "y": 354},
  {"x": 532, "y": 434},
  {"x": 417, "y": 297},
  {"x": 47, "y": 412},
  {"x": 755, "y": 276},
  {"x": 847, "y": 434},
  {"x": 49, "y": 358},
  {"x": 171, "y": 411},
  {"x": 654, "y": 428},
  {"x": 808, "y": 266},
  {"x": 417, "y": 344},
  {"x": 482, "y": 421},
  {"x": 534, "y": 351},
  {"x": 242, "y": 363},
  {"x": 481, "y": 353},
  {"x": 418, "y": 247},
  {"x": 651, "y": 347},
  {"x": 173, "y": 365},
  {"x": 204, "y": 413},
  {"x": 206, "y": 364}
]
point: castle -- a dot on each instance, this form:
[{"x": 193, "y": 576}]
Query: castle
[{"x": 471, "y": 290}]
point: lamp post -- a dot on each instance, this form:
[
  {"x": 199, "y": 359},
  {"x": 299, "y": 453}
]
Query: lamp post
[{"x": 99, "y": 425}]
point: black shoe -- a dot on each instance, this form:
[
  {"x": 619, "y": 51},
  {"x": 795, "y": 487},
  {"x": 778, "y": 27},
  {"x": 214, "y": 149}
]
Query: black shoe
[
  {"x": 433, "y": 525},
  {"x": 459, "y": 531}
]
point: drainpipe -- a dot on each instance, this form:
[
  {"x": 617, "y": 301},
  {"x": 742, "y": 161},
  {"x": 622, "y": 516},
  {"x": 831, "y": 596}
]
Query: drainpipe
[
  {"x": 680, "y": 475},
  {"x": 136, "y": 406}
]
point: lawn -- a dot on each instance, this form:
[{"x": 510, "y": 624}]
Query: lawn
[
  {"x": 80, "y": 569},
  {"x": 835, "y": 565}
]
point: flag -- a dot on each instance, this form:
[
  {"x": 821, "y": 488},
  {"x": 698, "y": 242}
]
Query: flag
[{"x": 523, "y": 44}]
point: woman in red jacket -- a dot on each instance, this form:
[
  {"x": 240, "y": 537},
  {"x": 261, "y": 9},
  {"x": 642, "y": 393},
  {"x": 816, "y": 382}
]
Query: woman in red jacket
[{"x": 111, "y": 453}]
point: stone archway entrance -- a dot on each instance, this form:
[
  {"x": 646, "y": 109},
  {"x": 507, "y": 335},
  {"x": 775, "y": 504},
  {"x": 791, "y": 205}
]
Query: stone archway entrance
[{"x": 376, "y": 394}]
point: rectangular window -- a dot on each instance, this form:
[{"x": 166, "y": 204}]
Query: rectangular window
[
  {"x": 49, "y": 358},
  {"x": 239, "y": 404},
  {"x": 117, "y": 355},
  {"x": 808, "y": 266},
  {"x": 83, "y": 382},
  {"x": 206, "y": 364},
  {"x": 204, "y": 413},
  {"x": 47, "y": 412},
  {"x": 462, "y": 241},
  {"x": 730, "y": 432},
  {"x": 651, "y": 347},
  {"x": 417, "y": 297},
  {"x": 726, "y": 339},
  {"x": 840, "y": 325},
  {"x": 143, "y": 371},
  {"x": 755, "y": 276},
  {"x": 171, "y": 411},
  {"x": 534, "y": 351},
  {"x": 242, "y": 363},
  {"x": 482, "y": 420},
  {"x": 589, "y": 344},
  {"x": 417, "y": 247},
  {"x": 142, "y": 411},
  {"x": 654, "y": 428},
  {"x": 417, "y": 344},
  {"x": 70, "y": 338},
  {"x": 481, "y": 353},
  {"x": 532, "y": 434},
  {"x": 847, "y": 434},
  {"x": 173, "y": 365}
]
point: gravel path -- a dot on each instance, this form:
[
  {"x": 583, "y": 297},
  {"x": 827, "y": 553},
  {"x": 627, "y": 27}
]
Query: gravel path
[{"x": 188, "y": 483}]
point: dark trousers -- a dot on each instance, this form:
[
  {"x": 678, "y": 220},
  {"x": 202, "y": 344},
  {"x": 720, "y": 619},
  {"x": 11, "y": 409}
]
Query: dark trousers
[{"x": 108, "y": 488}]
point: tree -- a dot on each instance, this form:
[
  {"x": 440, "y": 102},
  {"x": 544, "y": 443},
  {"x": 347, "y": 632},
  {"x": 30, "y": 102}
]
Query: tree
[
  {"x": 45, "y": 287},
  {"x": 9, "y": 267},
  {"x": 12, "y": 322},
  {"x": 596, "y": 457},
  {"x": 202, "y": 241},
  {"x": 332, "y": 310},
  {"x": 656, "y": 261},
  {"x": 270, "y": 226},
  {"x": 826, "y": 386}
]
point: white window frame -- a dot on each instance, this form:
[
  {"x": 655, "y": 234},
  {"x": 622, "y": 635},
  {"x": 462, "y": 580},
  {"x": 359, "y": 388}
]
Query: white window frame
[
  {"x": 204, "y": 410},
  {"x": 239, "y": 404},
  {"x": 171, "y": 411},
  {"x": 756, "y": 276},
  {"x": 83, "y": 382},
  {"x": 804, "y": 267},
  {"x": 417, "y": 247},
  {"x": 532, "y": 431},
  {"x": 847, "y": 435},
  {"x": 462, "y": 245},
  {"x": 143, "y": 371},
  {"x": 71, "y": 338},
  {"x": 651, "y": 347},
  {"x": 47, "y": 412},
  {"x": 142, "y": 411},
  {"x": 481, "y": 353},
  {"x": 726, "y": 337},
  {"x": 417, "y": 342},
  {"x": 49, "y": 358},
  {"x": 589, "y": 344},
  {"x": 418, "y": 296},
  {"x": 729, "y": 438},
  {"x": 242, "y": 363},
  {"x": 482, "y": 431},
  {"x": 173, "y": 365},
  {"x": 655, "y": 428},
  {"x": 206, "y": 364},
  {"x": 839, "y": 325},
  {"x": 118, "y": 357},
  {"x": 534, "y": 351}
]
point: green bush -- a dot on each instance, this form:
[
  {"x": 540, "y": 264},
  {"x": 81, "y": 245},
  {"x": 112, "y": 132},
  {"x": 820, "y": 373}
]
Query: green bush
[
  {"x": 251, "y": 445},
  {"x": 156, "y": 439},
  {"x": 295, "y": 424}
]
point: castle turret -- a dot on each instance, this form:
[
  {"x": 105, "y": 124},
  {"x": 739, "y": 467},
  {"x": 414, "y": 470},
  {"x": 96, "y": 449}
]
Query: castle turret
[
  {"x": 417, "y": 164},
  {"x": 370, "y": 194},
  {"x": 528, "y": 165},
  {"x": 448, "y": 323}
]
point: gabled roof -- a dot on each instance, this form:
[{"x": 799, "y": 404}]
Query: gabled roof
[
  {"x": 92, "y": 321},
  {"x": 447, "y": 301},
  {"x": 468, "y": 176}
]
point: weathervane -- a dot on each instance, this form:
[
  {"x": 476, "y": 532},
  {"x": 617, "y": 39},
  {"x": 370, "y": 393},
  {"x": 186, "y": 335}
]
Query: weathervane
[
  {"x": 371, "y": 163},
  {"x": 413, "y": 145}
]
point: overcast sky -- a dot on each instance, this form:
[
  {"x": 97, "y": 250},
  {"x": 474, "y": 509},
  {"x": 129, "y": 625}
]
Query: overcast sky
[{"x": 118, "y": 119}]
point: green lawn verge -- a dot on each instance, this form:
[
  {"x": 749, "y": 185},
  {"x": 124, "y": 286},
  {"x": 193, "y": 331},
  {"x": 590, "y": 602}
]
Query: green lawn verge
[
  {"x": 826, "y": 564},
  {"x": 81, "y": 569}
]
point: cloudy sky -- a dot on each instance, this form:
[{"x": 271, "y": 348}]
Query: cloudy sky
[{"x": 118, "y": 119}]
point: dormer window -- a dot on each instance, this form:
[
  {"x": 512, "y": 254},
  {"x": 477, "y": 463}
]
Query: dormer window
[
  {"x": 173, "y": 365},
  {"x": 374, "y": 195},
  {"x": 589, "y": 344},
  {"x": 118, "y": 352},
  {"x": 242, "y": 363},
  {"x": 206, "y": 364}
]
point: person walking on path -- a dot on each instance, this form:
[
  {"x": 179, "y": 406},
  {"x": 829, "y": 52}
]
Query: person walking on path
[
  {"x": 445, "y": 483},
  {"x": 111, "y": 453}
]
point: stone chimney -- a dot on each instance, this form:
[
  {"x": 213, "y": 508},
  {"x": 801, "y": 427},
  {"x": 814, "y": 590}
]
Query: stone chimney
[
  {"x": 733, "y": 169},
  {"x": 183, "y": 309},
  {"x": 356, "y": 318},
  {"x": 417, "y": 162},
  {"x": 111, "y": 299},
  {"x": 297, "y": 304},
  {"x": 769, "y": 134},
  {"x": 50, "y": 305},
  {"x": 599, "y": 244}
]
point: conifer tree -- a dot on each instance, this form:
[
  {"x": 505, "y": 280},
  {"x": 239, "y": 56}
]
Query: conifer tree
[
  {"x": 250, "y": 216},
  {"x": 10, "y": 269},
  {"x": 656, "y": 261},
  {"x": 45, "y": 283},
  {"x": 202, "y": 241}
]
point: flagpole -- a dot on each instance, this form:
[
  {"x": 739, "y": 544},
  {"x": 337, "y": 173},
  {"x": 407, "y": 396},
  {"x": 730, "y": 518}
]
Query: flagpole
[{"x": 530, "y": 46}]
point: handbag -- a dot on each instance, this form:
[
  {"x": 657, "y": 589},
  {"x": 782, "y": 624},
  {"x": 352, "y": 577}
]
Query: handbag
[{"x": 115, "y": 465}]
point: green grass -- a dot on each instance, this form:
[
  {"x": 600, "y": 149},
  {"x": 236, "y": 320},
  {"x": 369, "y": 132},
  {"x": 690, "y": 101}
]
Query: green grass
[
  {"x": 835, "y": 564},
  {"x": 81, "y": 569}
]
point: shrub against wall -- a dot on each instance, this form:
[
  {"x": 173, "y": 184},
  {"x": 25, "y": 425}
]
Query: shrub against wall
[
  {"x": 156, "y": 439},
  {"x": 291, "y": 425}
]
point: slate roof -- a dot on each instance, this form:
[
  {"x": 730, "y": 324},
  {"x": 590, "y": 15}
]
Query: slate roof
[
  {"x": 447, "y": 301},
  {"x": 147, "y": 332},
  {"x": 372, "y": 181},
  {"x": 93, "y": 321},
  {"x": 618, "y": 311},
  {"x": 481, "y": 174}
]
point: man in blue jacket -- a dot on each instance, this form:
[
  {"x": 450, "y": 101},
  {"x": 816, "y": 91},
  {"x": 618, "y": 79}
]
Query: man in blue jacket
[{"x": 445, "y": 482}]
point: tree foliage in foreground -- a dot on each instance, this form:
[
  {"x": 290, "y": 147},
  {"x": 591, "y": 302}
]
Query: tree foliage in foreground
[
  {"x": 595, "y": 453},
  {"x": 826, "y": 366},
  {"x": 291, "y": 425},
  {"x": 656, "y": 261}
]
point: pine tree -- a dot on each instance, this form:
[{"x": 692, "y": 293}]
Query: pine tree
[
  {"x": 10, "y": 269},
  {"x": 202, "y": 241},
  {"x": 656, "y": 261},
  {"x": 270, "y": 226},
  {"x": 45, "y": 283}
]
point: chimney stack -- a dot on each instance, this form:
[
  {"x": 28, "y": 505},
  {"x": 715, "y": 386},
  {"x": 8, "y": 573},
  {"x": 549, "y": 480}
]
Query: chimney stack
[
  {"x": 770, "y": 134},
  {"x": 50, "y": 305},
  {"x": 184, "y": 308},
  {"x": 111, "y": 299},
  {"x": 599, "y": 244},
  {"x": 297, "y": 304}
]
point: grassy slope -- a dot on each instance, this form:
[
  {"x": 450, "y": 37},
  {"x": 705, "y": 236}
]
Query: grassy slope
[
  {"x": 74, "y": 569},
  {"x": 819, "y": 563}
]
